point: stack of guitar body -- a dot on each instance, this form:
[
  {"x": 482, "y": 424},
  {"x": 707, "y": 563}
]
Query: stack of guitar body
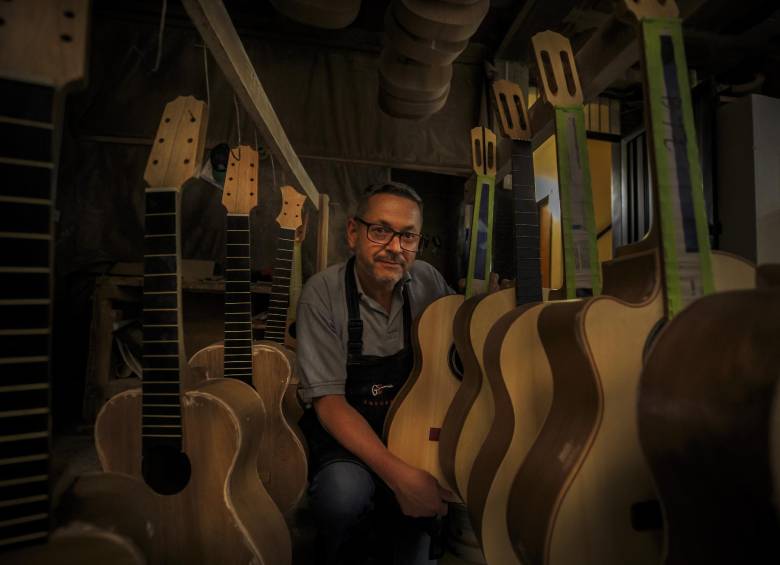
[
  {"x": 634, "y": 415},
  {"x": 422, "y": 39}
]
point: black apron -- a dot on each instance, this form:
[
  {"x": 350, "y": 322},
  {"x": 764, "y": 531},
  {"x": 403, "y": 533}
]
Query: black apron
[{"x": 372, "y": 381}]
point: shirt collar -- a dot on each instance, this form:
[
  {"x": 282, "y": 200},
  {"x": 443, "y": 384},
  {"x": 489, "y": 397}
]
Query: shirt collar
[{"x": 397, "y": 293}]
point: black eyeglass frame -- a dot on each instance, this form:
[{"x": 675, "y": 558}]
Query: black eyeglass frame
[{"x": 420, "y": 246}]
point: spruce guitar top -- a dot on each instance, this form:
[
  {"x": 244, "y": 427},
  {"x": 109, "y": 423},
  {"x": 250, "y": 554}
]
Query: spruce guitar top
[
  {"x": 267, "y": 365},
  {"x": 187, "y": 460}
]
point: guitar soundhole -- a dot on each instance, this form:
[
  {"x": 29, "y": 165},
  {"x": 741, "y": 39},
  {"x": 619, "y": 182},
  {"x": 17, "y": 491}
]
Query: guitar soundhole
[
  {"x": 455, "y": 362},
  {"x": 166, "y": 469}
]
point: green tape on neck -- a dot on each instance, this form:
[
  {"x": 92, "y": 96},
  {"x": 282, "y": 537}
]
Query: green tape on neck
[
  {"x": 578, "y": 226},
  {"x": 481, "y": 239},
  {"x": 687, "y": 274}
]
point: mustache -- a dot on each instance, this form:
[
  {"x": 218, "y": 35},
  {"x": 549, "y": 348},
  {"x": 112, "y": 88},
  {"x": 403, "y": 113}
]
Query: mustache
[{"x": 390, "y": 257}]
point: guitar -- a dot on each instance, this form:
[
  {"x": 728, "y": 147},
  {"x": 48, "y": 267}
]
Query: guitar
[
  {"x": 606, "y": 512},
  {"x": 186, "y": 460},
  {"x": 265, "y": 366},
  {"x": 473, "y": 467},
  {"x": 483, "y": 143},
  {"x": 42, "y": 57},
  {"x": 526, "y": 355},
  {"x": 416, "y": 417}
]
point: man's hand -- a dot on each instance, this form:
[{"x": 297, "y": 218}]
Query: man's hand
[{"x": 419, "y": 493}]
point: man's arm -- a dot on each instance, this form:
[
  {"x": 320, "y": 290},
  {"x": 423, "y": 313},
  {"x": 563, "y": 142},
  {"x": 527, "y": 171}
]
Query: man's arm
[{"x": 418, "y": 492}]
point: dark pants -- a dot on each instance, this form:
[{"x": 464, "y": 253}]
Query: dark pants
[{"x": 359, "y": 520}]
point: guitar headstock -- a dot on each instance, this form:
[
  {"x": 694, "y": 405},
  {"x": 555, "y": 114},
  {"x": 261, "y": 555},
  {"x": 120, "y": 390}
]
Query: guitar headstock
[
  {"x": 512, "y": 111},
  {"x": 178, "y": 145},
  {"x": 291, "y": 216},
  {"x": 239, "y": 195},
  {"x": 483, "y": 151},
  {"x": 557, "y": 69},
  {"x": 44, "y": 41},
  {"x": 652, "y": 8}
]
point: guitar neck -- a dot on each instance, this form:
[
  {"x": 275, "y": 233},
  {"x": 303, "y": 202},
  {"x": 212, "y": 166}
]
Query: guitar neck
[
  {"x": 678, "y": 182},
  {"x": 161, "y": 409},
  {"x": 481, "y": 238},
  {"x": 528, "y": 275},
  {"x": 238, "y": 299},
  {"x": 582, "y": 271},
  {"x": 279, "y": 301},
  {"x": 27, "y": 161}
]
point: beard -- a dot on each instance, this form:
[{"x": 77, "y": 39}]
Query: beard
[{"x": 389, "y": 268}]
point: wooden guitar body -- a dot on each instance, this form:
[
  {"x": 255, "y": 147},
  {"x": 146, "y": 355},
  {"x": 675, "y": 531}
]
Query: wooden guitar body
[
  {"x": 417, "y": 413},
  {"x": 471, "y": 413},
  {"x": 705, "y": 404},
  {"x": 521, "y": 380},
  {"x": 592, "y": 522},
  {"x": 282, "y": 458},
  {"x": 223, "y": 514}
]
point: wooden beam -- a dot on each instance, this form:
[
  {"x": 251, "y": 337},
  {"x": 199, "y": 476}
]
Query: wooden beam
[
  {"x": 534, "y": 16},
  {"x": 213, "y": 22}
]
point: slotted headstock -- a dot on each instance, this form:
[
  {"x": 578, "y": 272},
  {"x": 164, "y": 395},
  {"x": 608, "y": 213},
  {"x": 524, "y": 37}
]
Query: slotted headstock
[
  {"x": 44, "y": 41},
  {"x": 291, "y": 216},
  {"x": 179, "y": 142},
  {"x": 557, "y": 68},
  {"x": 652, "y": 8},
  {"x": 239, "y": 195},
  {"x": 483, "y": 151},
  {"x": 512, "y": 111}
]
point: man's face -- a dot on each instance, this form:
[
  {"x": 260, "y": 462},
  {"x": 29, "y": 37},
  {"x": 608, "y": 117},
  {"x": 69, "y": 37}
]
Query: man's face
[{"x": 384, "y": 263}]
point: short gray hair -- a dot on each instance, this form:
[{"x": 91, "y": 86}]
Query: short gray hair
[{"x": 389, "y": 187}]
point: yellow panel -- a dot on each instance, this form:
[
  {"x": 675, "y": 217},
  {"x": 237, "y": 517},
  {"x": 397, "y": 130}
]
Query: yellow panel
[{"x": 600, "y": 157}]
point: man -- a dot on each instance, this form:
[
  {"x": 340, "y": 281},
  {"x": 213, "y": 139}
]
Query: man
[{"x": 354, "y": 354}]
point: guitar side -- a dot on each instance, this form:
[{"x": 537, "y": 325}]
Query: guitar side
[
  {"x": 222, "y": 418},
  {"x": 281, "y": 463}
]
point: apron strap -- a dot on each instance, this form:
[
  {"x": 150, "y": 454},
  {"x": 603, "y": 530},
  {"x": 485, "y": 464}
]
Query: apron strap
[{"x": 355, "y": 323}]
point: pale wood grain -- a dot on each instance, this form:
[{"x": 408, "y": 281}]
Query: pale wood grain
[
  {"x": 422, "y": 404},
  {"x": 281, "y": 462},
  {"x": 224, "y": 514}
]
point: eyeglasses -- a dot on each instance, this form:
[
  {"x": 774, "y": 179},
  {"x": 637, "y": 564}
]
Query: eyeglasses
[{"x": 377, "y": 233}]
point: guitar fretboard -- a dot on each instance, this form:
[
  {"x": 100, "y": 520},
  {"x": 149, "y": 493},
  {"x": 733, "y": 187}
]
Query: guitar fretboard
[
  {"x": 238, "y": 299},
  {"x": 26, "y": 198},
  {"x": 279, "y": 301},
  {"x": 528, "y": 276},
  {"x": 161, "y": 420},
  {"x": 480, "y": 248}
]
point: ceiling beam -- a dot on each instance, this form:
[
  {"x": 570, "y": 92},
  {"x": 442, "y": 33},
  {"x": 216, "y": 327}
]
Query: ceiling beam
[
  {"x": 213, "y": 22},
  {"x": 534, "y": 16}
]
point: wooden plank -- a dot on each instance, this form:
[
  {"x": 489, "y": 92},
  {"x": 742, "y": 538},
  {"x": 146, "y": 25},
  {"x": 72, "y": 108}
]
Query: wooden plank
[
  {"x": 213, "y": 22},
  {"x": 322, "y": 233}
]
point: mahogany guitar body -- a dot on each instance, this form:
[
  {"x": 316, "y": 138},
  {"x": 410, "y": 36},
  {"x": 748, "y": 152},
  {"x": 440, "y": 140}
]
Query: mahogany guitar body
[
  {"x": 705, "y": 405},
  {"x": 592, "y": 522},
  {"x": 471, "y": 414},
  {"x": 417, "y": 413},
  {"x": 282, "y": 459},
  {"x": 223, "y": 514}
]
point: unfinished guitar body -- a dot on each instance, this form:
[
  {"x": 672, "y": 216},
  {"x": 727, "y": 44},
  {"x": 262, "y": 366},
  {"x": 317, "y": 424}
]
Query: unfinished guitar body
[
  {"x": 593, "y": 522},
  {"x": 223, "y": 514},
  {"x": 416, "y": 415},
  {"x": 282, "y": 458},
  {"x": 705, "y": 404}
]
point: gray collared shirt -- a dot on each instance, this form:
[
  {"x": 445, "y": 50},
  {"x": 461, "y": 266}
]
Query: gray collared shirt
[{"x": 321, "y": 324}]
